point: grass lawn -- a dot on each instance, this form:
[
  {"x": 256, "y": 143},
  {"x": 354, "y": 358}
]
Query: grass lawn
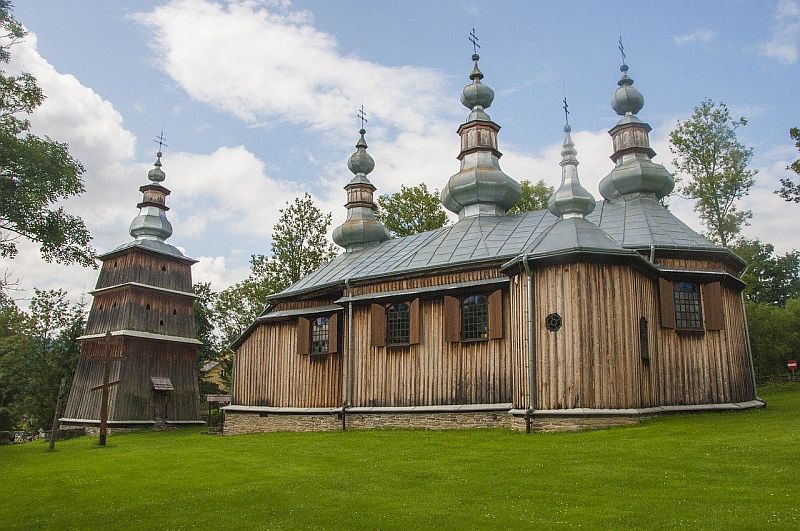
[{"x": 721, "y": 470}]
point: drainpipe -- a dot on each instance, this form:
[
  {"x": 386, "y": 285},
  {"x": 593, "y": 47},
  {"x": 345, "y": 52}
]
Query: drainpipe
[
  {"x": 749, "y": 347},
  {"x": 652, "y": 253},
  {"x": 349, "y": 344},
  {"x": 531, "y": 340}
]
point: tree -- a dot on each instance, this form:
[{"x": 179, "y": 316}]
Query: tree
[
  {"x": 774, "y": 336},
  {"x": 789, "y": 190},
  {"x": 299, "y": 243},
  {"x": 37, "y": 349},
  {"x": 534, "y": 197},
  {"x": 411, "y": 210},
  {"x": 299, "y": 246},
  {"x": 770, "y": 279},
  {"x": 715, "y": 162},
  {"x": 35, "y": 172}
]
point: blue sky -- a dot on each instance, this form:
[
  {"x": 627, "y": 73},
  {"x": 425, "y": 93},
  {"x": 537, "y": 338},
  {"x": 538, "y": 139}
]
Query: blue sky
[{"x": 258, "y": 100}]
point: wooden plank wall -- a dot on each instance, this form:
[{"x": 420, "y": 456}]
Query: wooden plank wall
[
  {"x": 127, "y": 309},
  {"x": 433, "y": 372},
  {"x": 599, "y": 366},
  {"x": 132, "y": 398},
  {"x": 146, "y": 268},
  {"x": 695, "y": 264},
  {"x": 270, "y": 372},
  {"x": 433, "y": 280}
]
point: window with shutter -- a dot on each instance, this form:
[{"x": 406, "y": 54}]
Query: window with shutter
[
  {"x": 398, "y": 324},
  {"x": 475, "y": 318},
  {"x": 319, "y": 335},
  {"x": 688, "y": 313}
]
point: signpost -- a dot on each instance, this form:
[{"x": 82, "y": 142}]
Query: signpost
[
  {"x": 108, "y": 342},
  {"x": 792, "y": 365}
]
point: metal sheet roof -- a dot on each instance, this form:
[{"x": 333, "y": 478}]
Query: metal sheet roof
[{"x": 634, "y": 222}]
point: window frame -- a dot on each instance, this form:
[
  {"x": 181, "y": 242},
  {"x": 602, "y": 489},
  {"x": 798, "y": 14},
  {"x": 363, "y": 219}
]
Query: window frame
[
  {"x": 480, "y": 314},
  {"x": 688, "y": 307},
  {"x": 321, "y": 330},
  {"x": 401, "y": 322}
]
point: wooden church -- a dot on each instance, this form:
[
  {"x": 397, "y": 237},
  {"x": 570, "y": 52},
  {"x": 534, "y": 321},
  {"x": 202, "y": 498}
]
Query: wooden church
[
  {"x": 588, "y": 313},
  {"x": 141, "y": 324}
]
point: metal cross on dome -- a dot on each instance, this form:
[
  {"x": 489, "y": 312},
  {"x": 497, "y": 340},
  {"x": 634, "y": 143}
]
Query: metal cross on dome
[
  {"x": 361, "y": 115},
  {"x": 566, "y": 110},
  {"x": 161, "y": 141},
  {"x": 474, "y": 40},
  {"x": 622, "y": 50}
]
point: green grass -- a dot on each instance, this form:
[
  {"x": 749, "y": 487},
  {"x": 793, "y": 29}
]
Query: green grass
[{"x": 720, "y": 470}]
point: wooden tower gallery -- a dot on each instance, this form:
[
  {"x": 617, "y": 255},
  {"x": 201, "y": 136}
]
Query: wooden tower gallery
[
  {"x": 586, "y": 313},
  {"x": 143, "y": 298}
]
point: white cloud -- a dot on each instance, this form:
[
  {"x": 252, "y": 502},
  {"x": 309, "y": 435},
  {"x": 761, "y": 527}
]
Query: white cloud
[
  {"x": 274, "y": 65},
  {"x": 783, "y": 45},
  {"x": 703, "y": 36}
]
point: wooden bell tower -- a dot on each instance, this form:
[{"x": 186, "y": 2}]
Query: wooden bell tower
[{"x": 144, "y": 298}]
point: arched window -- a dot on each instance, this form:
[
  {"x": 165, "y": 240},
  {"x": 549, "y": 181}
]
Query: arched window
[
  {"x": 398, "y": 324},
  {"x": 688, "y": 313},
  {"x": 319, "y": 335},
  {"x": 475, "y": 318}
]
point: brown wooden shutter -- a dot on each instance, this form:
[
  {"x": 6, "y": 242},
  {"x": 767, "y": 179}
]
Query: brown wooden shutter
[
  {"x": 333, "y": 334},
  {"x": 667, "y": 297},
  {"x": 496, "y": 315},
  {"x": 451, "y": 317},
  {"x": 712, "y": 306},
  {"x": 303, "y": 335},
  {"x": 415, "y": 324},
  {"x": 378, "y": 321}
]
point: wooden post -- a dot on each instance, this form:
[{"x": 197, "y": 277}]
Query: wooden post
[
  {"x": 108, "y": 341},
  {"x": 54, "y": 427}
]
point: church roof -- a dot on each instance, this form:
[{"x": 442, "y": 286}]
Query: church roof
[
  {"x": 635, "y": 221},
  {"x": 154, "y": 246}
]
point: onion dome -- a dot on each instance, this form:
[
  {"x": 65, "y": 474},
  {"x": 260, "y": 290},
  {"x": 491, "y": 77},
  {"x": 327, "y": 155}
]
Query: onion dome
[
  {"x": 571, "y": 200},
  {"x": 634, "y": 171},
  {"x": 361, "y": 161},
  {"x": 360, "y": 229},
  {"x": 627, "y": 99},
  {"x": 152, "y": 222},
  {"x": 480, "y": 187},
  {"x": 476, "y": 96}
]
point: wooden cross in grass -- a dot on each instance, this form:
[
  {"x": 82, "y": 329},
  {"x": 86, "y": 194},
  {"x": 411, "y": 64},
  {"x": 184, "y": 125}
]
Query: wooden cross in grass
[{"x": 107, "y": 345}]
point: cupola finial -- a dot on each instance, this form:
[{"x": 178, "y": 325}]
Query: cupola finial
[
  {"x": 634, "y": 171},
  {"x": 481, "y": 187},
  {"x": 360, "y": 229},
  {"x": 152, "y": 222},
  {"x": 571, "y": 200}
]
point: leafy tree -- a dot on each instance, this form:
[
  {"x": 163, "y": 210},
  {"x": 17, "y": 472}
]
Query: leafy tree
[
  {"x": 774, "y": 336},
  {"x": 534, "y": 197},
  {"x": 299, "y": 246},
  {"x": 770, "y": 279},
  {"x": 707, "y": 152},
  {"x": 299, "y": 243},
  {"x": 411, "y": 210},
  {"x": 35, "y": 172},
  {"x": 37, "y": 349},
  {"x": 16, "y": 348},
  {"x": 789, "y": 190}
]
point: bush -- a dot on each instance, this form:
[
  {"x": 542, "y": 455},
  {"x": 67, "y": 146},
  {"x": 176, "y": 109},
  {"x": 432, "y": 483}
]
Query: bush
[{"x": 774, "y": 337}]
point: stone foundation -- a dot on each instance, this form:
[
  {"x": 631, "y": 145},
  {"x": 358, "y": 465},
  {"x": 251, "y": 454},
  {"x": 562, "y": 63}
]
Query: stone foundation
[
  {"x": 238, "y": 423},
  {"x": 258, "y": 419}
]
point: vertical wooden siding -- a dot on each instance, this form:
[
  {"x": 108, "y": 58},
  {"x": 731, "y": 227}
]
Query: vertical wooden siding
[
  {"x": 132, "y": 398},
  {"x": 145, "y": 268},
  {"x": 270, "y": 372},
  {"x": 594, "y": 360}
]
